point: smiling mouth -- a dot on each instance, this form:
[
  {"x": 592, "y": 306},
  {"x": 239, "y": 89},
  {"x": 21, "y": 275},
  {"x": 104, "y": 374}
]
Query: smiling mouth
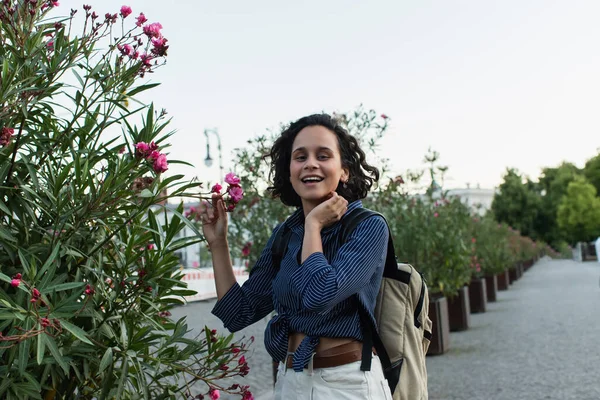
[{"x": 312, "y": 179}]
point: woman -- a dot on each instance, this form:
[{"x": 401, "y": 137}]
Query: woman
[{"x": 316, "y": 334}]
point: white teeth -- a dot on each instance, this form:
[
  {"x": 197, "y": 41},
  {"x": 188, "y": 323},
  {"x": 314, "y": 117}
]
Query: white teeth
[{"x": 312, "y": 179}]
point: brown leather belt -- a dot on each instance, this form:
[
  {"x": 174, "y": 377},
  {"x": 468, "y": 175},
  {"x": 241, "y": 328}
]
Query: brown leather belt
[{"x": 334, "y": 357}]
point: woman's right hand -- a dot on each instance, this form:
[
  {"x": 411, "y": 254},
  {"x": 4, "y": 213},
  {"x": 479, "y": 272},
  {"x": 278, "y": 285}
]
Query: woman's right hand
[{"x": 213, "y": 217}]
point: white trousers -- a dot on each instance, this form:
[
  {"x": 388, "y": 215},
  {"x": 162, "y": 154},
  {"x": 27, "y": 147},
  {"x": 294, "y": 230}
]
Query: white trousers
[{"x": 346, "y": 382}]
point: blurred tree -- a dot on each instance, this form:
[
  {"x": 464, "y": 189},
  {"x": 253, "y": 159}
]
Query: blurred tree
[
  {"x": 579, "y": 212},
  {"x": 517, "y": 203},
  {"x": 552, "y": 186},
  {"x": 592, "y": 171}
]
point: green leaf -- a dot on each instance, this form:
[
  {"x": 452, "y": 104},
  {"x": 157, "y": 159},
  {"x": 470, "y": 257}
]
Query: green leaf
[
  {"x": 41, "y": 348},
  {"x": 141, "y": 89},
  {"x": 65, "y": 286},
  {"x": 106, "y": 359},
  {"x": 55, "y": 352},
  {"x": 146, "y": 193},
  {"x": 76, "y": 331},
  {"x": 123, "y": 377}
]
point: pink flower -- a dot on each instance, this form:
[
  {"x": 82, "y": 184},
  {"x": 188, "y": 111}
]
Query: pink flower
[
  {"x": 246, "y": 249},
  {"x": 195, "y": 264},
  {"x": 141, "y": 20},
  {"x": 236, "y": 193},
  {"x": 153, "y": 30},
  {"x": 6, "y": 136},
  {"x": 473, "y": 240},
  {"x": 242, "y": 360},
  {"x": 160, "y": 164},
  {"x": 126, "y": 11},
  {"x": 126, "y": 49},
  {"x": 142, "y": 149},
  {"x": 216, "y": 188},
  {"x": 436, "y": 215},
  {"x": 160, "y": 46},
  {"x": 45, "y": 322},
  {"x": 15, "y": 283},
  {"x": 150, "y": 246},
  {"x": 146, "y": 60},
  {"x": 89, "y": 290},
  {"x": 55, "y": 3},
  {"x": 214, "y": 394},
  {"x": 232, "y": 179},
  {"x": 384, "y": 116},
  {"x": 247, "y": 396}
]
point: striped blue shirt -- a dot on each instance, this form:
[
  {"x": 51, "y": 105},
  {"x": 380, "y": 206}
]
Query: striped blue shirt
[{"x": 314, "y": 297}]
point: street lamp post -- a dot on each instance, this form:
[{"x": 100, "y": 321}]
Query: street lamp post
[{"x": 208, "y": 160}]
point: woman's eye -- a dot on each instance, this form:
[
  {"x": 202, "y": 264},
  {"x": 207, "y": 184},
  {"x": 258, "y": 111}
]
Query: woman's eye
[
  {"x": 300, "y": 158},
  {"x": 323, "y": 157}
]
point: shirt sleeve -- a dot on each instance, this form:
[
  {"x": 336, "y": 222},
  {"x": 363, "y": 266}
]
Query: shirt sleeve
[
  {"x": 323, "y": 285},
  {"x": 244, "y": 305}
]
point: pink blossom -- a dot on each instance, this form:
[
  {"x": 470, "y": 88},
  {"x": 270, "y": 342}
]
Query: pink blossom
[
  {"x": 125, "y": 49},
  {"x": 242, "y": 360},
  {"x": 141, "y": 19},
  {"x": 146, "y": 60},
  {"x": 55, "y": 3},
  {"x": 150, "y": 246},
  {"x": 214, "y": 394},
  {"x": 232, "y": 179},
  {"x": 473, "y": 240},
  {"x": 216, "y": 188},
  {"x": 247, "y": 396},
  {"x": 161, "y": 164},
  {"x": 15, "y": 283},
  {"x": 153, "y": 30},
  {"x": 384, "y": 116},
  {"x": 45, "y": 322},
  {"x": 154, "y": 154},
  {"x": 126, "y": 11},
  {"x": 195, "y": 264},
  {"x": 160, "y": 46},
  {"x": 89, "y": 290},
  {"x": 6, "y": 136},
  {"x": 246, "y": 249},
  {"x": 142, "y": 149},
  {"x": 436, "y": 215},
  {"x": 236, "y": 193}
]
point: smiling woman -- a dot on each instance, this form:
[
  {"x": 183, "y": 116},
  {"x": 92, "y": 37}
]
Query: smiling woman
[{"x": 320, "y": 282}]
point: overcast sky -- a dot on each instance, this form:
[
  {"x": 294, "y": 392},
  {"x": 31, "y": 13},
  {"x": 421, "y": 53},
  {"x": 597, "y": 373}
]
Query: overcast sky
[{"x": 488, "y": 84}]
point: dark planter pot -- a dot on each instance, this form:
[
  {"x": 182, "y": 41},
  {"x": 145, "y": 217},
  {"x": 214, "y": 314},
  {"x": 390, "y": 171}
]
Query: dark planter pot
[
  {"x": 491, "y": 283},
  {"x": 520, "y": 270},
  {"x": 440, "y": 335},
  {"x": 477, "y": 296},
  {"x": 513, "y": 273},
  {"x": 503, "y": 280},
  {"x": 459, "y": 311}
]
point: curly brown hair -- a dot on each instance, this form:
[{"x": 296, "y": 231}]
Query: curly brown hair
[{"x": 362, "y": 175}]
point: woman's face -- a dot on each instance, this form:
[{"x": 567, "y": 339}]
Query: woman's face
[{"x": 316, "y": 165}]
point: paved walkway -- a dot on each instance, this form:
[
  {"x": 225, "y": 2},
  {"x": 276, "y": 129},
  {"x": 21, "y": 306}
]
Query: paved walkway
[{"x": 540, "y": 340}]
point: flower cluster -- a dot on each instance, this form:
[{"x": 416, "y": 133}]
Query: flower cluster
[
  {"x": 151, "y": 154},
  {"x": 234, "y": 193},
  {"x": 6, "y": 136}
]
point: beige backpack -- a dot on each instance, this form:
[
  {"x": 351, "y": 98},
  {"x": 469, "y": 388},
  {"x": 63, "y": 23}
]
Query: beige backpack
[{"x": 403, "y": 331}]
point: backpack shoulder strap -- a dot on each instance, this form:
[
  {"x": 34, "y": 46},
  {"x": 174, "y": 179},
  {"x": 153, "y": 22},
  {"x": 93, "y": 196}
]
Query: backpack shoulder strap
[
  {"x": 280, "y": 244},
  {"x": 351, "y": 220}
]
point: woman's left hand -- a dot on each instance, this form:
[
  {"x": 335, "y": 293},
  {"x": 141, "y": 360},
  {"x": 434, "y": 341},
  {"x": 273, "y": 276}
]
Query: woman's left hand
[{"x": 328, "y": 212}]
